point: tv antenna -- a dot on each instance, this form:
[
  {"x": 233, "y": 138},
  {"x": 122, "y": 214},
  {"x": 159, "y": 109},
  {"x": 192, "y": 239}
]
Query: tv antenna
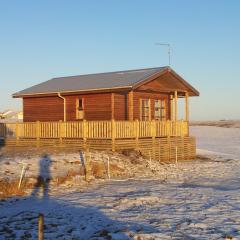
[{"x": 169, "y": 50}]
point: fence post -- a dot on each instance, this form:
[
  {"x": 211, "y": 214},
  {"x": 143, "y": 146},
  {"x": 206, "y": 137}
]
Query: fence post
[
  {"x": 87, "y": 163},
  {"x": 40, "y": 226},
  {"x": 38, "y": 132},
  {"x": 136, "y": 133},
  {"x": 113, "y": 134}
]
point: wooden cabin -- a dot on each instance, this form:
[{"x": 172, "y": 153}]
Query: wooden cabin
[
  {"x": 135, "y": 109},
  {"x": 143, "y": 94}
]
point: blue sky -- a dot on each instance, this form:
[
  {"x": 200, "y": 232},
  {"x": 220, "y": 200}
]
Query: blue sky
[{"x": 44, "y": 39}]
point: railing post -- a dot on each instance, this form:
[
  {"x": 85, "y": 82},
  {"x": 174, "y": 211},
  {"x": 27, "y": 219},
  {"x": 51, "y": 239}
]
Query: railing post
[
  {"x": 153, "y": 129},
  {"x": 61, "y": 133},
  {"x": 153, "y": 133},
  {"x": 136, "y": 133},
  {"x": 38, "y": 132},
  {"x": 84, "y": 134},
  {"x": 175, "y": 128},
  {"x": 182, "y": 128},
  {"x": 113, "y": 134},
  {"x": 168, "y": 128},
  {"x": 17, "y": 132}
]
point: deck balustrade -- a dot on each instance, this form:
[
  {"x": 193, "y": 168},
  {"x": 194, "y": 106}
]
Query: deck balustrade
[{"x": 94, "y": 129}]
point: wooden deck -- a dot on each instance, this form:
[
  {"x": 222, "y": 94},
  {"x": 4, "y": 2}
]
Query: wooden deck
[{"x": 163, "y": 140}]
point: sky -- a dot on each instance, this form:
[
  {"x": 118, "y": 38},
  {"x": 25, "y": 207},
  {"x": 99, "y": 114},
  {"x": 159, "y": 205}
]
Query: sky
[{"x": 43, "y": 39}]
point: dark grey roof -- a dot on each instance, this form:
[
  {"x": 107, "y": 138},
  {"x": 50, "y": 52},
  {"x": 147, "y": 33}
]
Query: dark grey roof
[{"x": 91, "y": 81}]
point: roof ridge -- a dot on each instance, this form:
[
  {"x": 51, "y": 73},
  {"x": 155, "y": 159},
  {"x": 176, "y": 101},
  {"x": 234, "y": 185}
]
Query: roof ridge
[{"x": 124, "y": 71}]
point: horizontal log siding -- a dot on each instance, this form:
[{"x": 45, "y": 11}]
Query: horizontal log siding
[
  {"x": 120, "y": 106},
  {"x": 96, "y": 106},
  {"x": 42, "y": 109},
  {"x": 152, "y": 96}
]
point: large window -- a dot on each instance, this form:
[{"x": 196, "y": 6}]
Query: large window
[
  {"x": 80, "y": 108},
  {"x": 145, "y": 109},
  {"x": 160, "y": 109}
]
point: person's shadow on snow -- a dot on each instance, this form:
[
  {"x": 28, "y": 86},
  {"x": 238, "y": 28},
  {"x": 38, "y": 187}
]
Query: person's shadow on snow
[{"x": 43, "y": 178}]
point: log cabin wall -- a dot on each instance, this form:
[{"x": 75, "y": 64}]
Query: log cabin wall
[
  {"x": 138, "y": 95},
  {"x": 120, "y": 106},
  {"x": 42, "y": 109},
  {"x": 96, "y": 106}
]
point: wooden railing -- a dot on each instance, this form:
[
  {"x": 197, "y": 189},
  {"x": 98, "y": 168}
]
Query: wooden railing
[{"x": 94, "y": 129}]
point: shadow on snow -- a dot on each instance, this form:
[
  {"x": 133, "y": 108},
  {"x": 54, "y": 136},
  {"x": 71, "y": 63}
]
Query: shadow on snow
[{"x": 63, "y": 219}]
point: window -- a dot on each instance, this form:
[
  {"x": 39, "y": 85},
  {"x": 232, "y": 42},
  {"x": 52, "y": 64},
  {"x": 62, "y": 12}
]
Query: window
[
  {"x": 145, "y": 109},
  {"x": 160, "y": 109},
  {"x": 80, "y": 104},
  {"x": 80, "y": 108}
]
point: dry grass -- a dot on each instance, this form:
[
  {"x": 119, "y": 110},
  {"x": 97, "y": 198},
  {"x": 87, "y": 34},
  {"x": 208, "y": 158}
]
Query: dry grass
[
  {"x": 70, "y": 175},
  {"x": 9, "y": 189},
  {"x": 99, "y": 169},
  {"x": 203, "y": 158}
]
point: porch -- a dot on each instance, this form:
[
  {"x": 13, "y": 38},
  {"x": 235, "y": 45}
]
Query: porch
[{"x": 163, "y": 140}]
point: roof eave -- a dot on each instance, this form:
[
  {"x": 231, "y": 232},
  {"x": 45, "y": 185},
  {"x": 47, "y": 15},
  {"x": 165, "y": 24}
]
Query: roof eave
[{"x": 19, "y": 95}]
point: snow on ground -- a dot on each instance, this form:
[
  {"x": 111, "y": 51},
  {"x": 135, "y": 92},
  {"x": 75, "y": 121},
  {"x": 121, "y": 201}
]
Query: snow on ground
[
  {"x": 223, "y": 142},
  {"x": 195, "y": 200}
]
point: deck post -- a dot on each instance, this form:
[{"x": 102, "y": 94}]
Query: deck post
[
  {"x": 38, "y": 132},
  {"x": 175, "y": 110},
  {"x": 136, "y": 133},
  {"x": 61, "y": 131},
  {"x": 171, "y": 107},
  {"x": 187, "y": 111},
  {"x": 153, "y": 133},
  {"x": 175, "y": 105},
  {"x": 113, "y": 135},
  {"x": 84, "y": 134},
  {"x": 186, "y": 106}
]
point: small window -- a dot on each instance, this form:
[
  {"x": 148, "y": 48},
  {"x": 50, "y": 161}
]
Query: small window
[
  {"x": 80, "y": 108},
  {"x": 145, "y": 109},
  {"x": 160, "y": 109},
  {"x": 80, "y": 104}
]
